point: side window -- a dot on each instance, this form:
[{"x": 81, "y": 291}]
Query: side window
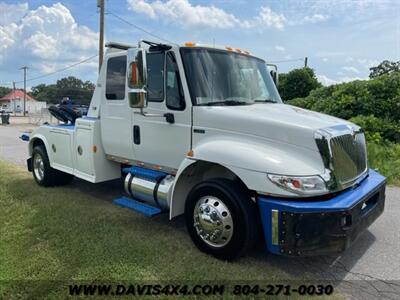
[
  {"x": 155, "y": 77},
  {"x": 175, "y": 99},
  {"x": 116, "y": 78}
]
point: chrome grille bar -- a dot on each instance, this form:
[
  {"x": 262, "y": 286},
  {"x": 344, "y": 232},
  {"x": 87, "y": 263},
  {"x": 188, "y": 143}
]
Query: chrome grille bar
[
  {"x": 348, "y": 156},
  {"x": 344, "y": 154}
]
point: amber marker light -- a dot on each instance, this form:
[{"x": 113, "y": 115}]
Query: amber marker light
[{"x": 190, "y": 153}]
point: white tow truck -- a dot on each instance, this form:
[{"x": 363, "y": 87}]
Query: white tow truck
[{"x": 202, "y": 131}]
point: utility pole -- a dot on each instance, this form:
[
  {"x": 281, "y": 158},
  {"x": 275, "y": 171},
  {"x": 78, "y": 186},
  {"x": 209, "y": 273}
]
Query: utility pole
[
  {"x": 100, "y": 4},
  {"x": 24, "y": 68},
  {"x": 305, "y": 61},
  {"x": 15, "y": 108}
]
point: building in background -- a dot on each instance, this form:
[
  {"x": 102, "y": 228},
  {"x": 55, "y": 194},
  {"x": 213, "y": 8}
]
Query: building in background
[{"x": 13, "y": 102}]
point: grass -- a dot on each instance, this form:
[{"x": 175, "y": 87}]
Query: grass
[
  {"x": 52, "y": 237},
  {"x": 385, "y": 158},
  {"x": 64, "y": 234}
]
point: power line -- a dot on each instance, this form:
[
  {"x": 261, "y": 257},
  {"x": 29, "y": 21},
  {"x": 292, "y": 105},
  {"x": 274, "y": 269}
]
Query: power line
[
  {"x": 138, "y": 27},
  {"x": 287, "y": 60},
  {"x": 60, "y": 70}
]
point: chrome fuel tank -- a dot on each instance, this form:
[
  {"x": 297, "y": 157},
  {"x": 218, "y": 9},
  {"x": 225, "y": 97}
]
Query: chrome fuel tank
[{"x": 154, "y": 193}]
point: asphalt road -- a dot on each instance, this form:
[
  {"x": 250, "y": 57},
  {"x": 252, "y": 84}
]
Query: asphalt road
[{"x": 369, "y": 269}]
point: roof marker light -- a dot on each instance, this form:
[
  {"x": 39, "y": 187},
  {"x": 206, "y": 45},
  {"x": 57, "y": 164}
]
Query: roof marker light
[
  {"x": 190, "y": 44},
  {"x": 228, "y": 48}
]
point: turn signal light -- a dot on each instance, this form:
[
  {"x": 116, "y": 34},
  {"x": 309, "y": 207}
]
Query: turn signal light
[
  {"x": 296, "y": 183},
  {"x": 190, "y": 153},
  {"x": 134, "y": 80}
]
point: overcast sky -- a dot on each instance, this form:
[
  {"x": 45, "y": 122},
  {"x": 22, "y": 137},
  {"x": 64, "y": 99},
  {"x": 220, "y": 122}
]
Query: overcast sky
[{"x": 342, "y": 38}]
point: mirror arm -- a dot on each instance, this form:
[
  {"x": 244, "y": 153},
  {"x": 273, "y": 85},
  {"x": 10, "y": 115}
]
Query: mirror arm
[{"x": 276, "y": 79}]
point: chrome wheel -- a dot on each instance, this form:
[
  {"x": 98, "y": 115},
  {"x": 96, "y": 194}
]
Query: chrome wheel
[
  {"x": 213, "y": 221},
  {"x": 38, "y": 166}
]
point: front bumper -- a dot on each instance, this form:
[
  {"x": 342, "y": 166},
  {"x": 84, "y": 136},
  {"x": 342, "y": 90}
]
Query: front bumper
[{"x": 321, "y": 226}]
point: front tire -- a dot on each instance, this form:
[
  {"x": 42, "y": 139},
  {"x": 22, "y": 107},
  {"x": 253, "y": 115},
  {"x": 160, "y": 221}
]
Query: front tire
[
  {"x": 221, "y": 218},
  {"x": 44, "y": 174}
]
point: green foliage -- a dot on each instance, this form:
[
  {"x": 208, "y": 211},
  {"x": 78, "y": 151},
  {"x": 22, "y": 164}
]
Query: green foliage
[
  {"x": 74, "y": 88},
  {"x": 377, "y": 129},
  {"x": 385, "y": 158},
  {"x": 384, "y": 67},
  {"x": 375, "y": 103},
  {"x": 4, "y": 91},
  {"x": 297, "y": 83}
]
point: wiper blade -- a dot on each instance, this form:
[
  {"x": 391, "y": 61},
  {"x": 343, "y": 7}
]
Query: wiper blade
[
  {"x": 225, "y": 102},
  {"x": 264, "y": 101}
]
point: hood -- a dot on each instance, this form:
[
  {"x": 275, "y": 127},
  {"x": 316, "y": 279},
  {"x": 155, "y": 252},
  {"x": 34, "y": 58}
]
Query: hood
[{"x": 277, "y": 122}]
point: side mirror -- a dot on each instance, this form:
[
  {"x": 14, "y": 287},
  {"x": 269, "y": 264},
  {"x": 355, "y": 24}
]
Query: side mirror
[
  {"x": 274, "y": 73},
  {"x": 137, "y": 77}
]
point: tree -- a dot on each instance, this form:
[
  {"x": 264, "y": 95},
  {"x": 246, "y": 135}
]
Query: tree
[
  {"x": 373, "y": 104},
  {"x": 385, "y": 67},
  {"x": 69, "y": 82},
  {"x": 43, "y": 92},
  {"x": 74, "y": 88},
  {"x": 4, "y": 91},
  {"x": 298, "y": 83}
]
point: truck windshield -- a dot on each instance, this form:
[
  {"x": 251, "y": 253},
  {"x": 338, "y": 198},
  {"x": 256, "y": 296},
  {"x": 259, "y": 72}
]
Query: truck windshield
[{"x": 218, "y": 77}]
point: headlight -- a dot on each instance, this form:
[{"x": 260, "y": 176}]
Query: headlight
[{"x": 302, "y": 185}]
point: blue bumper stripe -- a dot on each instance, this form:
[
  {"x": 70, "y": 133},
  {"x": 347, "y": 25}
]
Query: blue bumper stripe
[{"x": 341, "y": 203}]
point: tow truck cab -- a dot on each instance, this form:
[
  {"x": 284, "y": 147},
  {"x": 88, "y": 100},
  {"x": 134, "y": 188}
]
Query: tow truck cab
[{"x": 202, "y": 131}]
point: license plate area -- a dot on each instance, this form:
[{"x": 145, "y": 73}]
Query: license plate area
[{"x": 370, "y": 203}]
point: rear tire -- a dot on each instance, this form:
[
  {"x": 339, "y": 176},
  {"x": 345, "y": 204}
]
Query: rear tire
[
  {"x": 44, "y": 174},
  {"x": 221, "y": 218}
]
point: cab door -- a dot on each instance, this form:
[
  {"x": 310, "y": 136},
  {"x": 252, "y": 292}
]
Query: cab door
[
  {"x": 162, "y": 130},
  {"x": 116, "y": 115}
]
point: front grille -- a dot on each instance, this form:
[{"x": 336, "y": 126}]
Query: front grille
[{"x": 349, "y": 156}]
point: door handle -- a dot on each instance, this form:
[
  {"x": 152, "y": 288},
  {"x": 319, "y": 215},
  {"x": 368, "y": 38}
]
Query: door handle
[
  {"x": 136, "y": 134},
  {"x": 169, "y": 117}
]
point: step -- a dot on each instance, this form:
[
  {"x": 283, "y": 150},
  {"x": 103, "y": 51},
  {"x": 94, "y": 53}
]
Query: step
[
  {"x": 140, "y": 207},
  {"x": 145, "y": 173}
]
